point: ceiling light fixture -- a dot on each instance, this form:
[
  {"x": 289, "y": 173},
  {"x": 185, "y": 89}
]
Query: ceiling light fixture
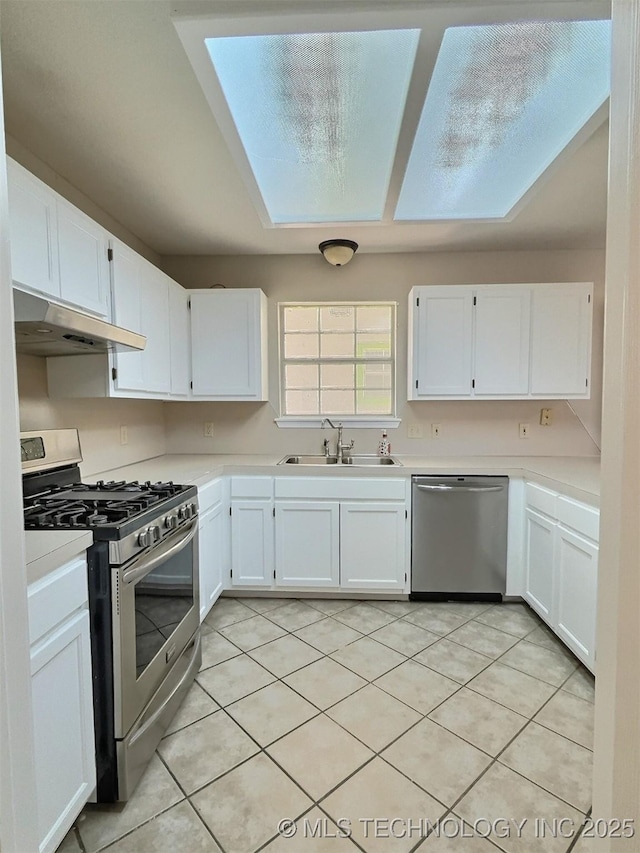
[{"x": 338, "y": 252}]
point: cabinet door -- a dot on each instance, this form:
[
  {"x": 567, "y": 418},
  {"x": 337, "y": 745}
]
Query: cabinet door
[
  {"x": 211, "y": 549},
  {"x": 126, "y": 288},
  {"x": 307, "y": 538},
  {"x": 442, "y": 342},
  {"x": 372, "y": 546},
  {"x": 561, "y": 340},
  {"x": 84, "y": 266},
  {"x": 501, "y": 364},
  {"x": 63, "y": 727},
  {"x": 228, "y": 344},
  {"x": 539, "y": 555},
  {"x": 252, "y": 542},
  {"x": 33, "y": 230},
  {"x": 156, "y": 357},
  {"x": 179, "y": 340},
  {"x": 577, "y": 570}
]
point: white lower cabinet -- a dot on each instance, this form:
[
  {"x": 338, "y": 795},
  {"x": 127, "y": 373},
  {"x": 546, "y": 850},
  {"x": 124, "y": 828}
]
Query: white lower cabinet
[
  {"x": 561, "y": 567},
  {"x": 62, "y": 702},
  {"x": 307, "y": 543},
  {"x": 252, "y": 542},
  {"x": 211, "y": 553},
  {"x": 372, "y": 546}
]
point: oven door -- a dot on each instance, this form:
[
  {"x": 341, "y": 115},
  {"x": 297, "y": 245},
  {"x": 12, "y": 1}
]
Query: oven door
[{"x": 156, "y": 610}]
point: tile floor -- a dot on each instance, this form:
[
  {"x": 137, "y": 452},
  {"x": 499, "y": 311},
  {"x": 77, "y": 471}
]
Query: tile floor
[{"x": 346, "y": 716}]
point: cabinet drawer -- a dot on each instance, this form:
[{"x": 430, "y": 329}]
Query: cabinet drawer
[
  {"x": 55, "y": 597},
  {"x": 582, "y": 518},
  {"x": 252, "y": 487},
  {"x": 210, "y": 494},
  {"x": 328, "y": 488},
  {"x": 544, "y": 500}
]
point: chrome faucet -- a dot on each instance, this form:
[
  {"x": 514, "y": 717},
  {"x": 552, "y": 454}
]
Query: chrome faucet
[{"x": 342, "y": 450}]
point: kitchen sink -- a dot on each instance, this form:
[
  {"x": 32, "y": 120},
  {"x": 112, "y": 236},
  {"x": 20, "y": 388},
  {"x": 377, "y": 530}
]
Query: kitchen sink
[{"x": 359, "y": 460}]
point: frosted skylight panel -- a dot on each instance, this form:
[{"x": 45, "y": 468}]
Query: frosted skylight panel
[
  {"x": 319, "y": 116},
  {"x": 503, "y": 102}
]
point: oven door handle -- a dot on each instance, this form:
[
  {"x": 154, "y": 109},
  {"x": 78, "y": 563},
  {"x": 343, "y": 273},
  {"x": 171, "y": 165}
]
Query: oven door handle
[{"x": 169, "y": 548}]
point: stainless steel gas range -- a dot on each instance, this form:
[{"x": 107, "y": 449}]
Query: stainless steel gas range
[{"x": 143, "y": 597}]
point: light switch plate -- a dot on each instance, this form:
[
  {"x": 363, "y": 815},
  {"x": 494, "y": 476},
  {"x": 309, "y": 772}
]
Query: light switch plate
[
  {"x": 524, "y": 430},
  {"x": 415, "y": 431},
  {"x": 208, "y": 429}
]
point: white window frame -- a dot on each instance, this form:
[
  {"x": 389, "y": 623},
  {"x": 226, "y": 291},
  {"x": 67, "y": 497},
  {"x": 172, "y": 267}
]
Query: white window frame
[{"x": 315, "y": 421}]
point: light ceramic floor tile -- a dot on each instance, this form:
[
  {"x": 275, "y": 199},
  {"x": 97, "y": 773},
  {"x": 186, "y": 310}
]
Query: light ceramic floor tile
[
  {"x": 271, "y": 712},
  {"x": 264, "y": 605},
  {"x": 316, "y": 833},
  {"x": 456, "y": 837},
  {"x": 553, "y": 762},
  {"x": 581, "y": 684},
  {"x": 233, "y": 679},
  {"x": 454, "y": 661},
  {"x": 285, "y": 655},
  {"x": 216, "y": 648},
  {"x": 397, "y": 608},
  {"x": 478, "y": 720},
  {"x": 436, "y": 618},
  {"x": 319, "y": 755},
  {"x": 467, "y": 609},
  {"x": 552, "y": 666},
  {"x": 373, "y": 716},
  {"x": 242, "y": 809},
  {"x": 404, "y": 637},
  {"x": 513, "y": 619},
  {"x": 417, "y": 686},
  {"x": 328, "y": 635},
  {"x": 368, "y": 658},
  {"x": 329, "y": 606},
  {"x": 512, "y": 688},
  {"x": 364, "y": 618},
  {"x": 156, "y": 792},
  {"x": 502, "y": 793},
  {"x": 69, "y": 843},
  {"x": 205, "y": 750},
  {"x": 196, "y": 705},
  {"x": 483, "y": 638},
  {"x": 253, "y": 632},
  {"x": 437, "y": 760},
  {"x": 378, "y": 790},
  {"x": 570, "y": 716},
  {"x": 226, "y": 611},
  {"x": 294, "y": 616},
  {"x": 543, "y": 636},
  {"x": 324, "y": 682},
  {"x": 169, "y": 832}
]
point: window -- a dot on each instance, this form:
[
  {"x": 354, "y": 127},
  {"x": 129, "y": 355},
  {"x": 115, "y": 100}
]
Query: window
[{"x": 337, "y": 359}]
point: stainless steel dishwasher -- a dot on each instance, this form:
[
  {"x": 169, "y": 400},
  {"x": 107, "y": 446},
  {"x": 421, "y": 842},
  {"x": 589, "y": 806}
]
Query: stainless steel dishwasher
[{"x": 459, "y": 537}]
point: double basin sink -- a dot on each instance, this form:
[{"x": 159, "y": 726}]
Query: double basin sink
[{"x": 351, "y": 459}]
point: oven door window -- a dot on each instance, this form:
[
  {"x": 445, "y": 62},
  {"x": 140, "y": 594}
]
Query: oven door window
[{"x": 162, "y": 600}]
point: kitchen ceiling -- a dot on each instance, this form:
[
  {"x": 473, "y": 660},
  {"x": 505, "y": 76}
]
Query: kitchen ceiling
[{"x": 104, "y": 93}]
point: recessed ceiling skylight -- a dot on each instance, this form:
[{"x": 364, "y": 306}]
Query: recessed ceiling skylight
[
  {"x": 319, "y": 116},
  {"x": 503, "y": 102}
]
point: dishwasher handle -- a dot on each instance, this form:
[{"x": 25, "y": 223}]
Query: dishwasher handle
[{"x": 444, "y": 488}]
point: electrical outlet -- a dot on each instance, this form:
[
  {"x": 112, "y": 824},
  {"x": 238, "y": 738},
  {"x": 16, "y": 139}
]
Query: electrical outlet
[
  {"x": 436, "y": 430},
  {"x": 415, "y": 431},
  {"x": 208, "y": 429},
  {"x": 524, "y": 430},
  {"x": 124, "y": 435},
  {"x": 545, "y": 417}
]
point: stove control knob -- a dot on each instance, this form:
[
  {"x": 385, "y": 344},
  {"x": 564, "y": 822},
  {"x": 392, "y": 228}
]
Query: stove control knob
[
  {"x": 144, "y": 538},
  {"x": 154, "y": 533},
  {"x": 182, "y": 513},
  {"x": 193, "y": 510},
  {"x": 171, "y": 521}
]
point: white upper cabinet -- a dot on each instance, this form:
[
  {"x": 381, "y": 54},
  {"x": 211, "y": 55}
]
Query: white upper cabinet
[
  {"x": 55, "y": 248},
  {"x": 156, "y": 356},
  {"x": 179, "y": 340},
  {"x": 561, "y": 340},
  {"x": 500, "y": 341},
  {"x": 127, "y": 291},
  {"x": 229, "y": 344}
]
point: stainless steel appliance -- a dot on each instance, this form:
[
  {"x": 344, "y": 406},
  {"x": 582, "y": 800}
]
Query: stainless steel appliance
[
  {"x": 143, "y": 597},
  {"x": 459, "y": 537}
]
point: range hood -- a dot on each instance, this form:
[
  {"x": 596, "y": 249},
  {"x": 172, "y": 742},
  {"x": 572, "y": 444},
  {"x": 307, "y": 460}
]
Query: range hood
[{"x": 46, "y": 328}]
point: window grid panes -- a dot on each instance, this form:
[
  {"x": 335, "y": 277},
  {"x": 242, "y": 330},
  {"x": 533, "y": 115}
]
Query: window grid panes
[{"x": 338, "y": 359}]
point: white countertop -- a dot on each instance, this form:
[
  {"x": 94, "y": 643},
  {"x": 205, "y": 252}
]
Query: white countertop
[
  {"x": 576, "y": 476},
  {"x": 47, "y": 550}
]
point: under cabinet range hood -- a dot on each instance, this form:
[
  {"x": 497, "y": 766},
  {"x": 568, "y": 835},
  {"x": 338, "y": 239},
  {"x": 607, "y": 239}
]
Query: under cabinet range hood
[{"x": 46, "y": 328}]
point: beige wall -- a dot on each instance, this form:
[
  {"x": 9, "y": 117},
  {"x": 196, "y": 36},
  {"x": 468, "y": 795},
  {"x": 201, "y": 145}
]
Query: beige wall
[
  {"x": 98, "y": 421},
  {"x": 470, "y": 427}
]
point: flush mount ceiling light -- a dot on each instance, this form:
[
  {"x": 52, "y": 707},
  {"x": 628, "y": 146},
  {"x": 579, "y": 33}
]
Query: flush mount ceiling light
[{"x": 338, "y": 252}]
